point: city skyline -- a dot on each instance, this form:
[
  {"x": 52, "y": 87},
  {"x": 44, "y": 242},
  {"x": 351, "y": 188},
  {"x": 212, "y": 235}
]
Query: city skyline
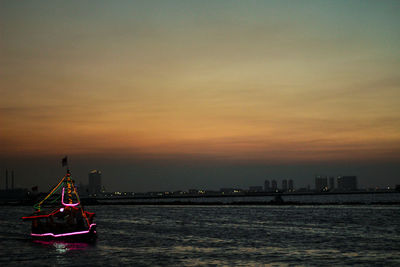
[
  {"x": 93, "y": 184},
  {"x": 197, "y": 94}
]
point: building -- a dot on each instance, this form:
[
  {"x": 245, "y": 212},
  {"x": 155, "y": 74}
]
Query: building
[
  {"x": 193, "y": 191},
  {"x": 347, "y": 183},
  {"x": 6, "y": 180},
  {"x": 255, "y": 188},
  {"x": 284, "y": 185},
  {"x": 231, "y": 190},
  {"x": 227, "y": 190},
  {"x": 12, "y": 180},
  {"x": 274, "y": 185},
  {"x": 331, "y": 183},
  {"x": 291, "y": 187},
  {"x": 94, "y": 182},
  {"x": 321, "y": 183},
  {"x": 267, "y": 187}
]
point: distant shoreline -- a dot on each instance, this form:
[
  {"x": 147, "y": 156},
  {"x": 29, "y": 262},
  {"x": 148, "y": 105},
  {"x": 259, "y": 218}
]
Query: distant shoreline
[
  {"x": 248, "y": 194},
  {"x": 242, "y": 203},
  {"x": 262, "y": 198}
]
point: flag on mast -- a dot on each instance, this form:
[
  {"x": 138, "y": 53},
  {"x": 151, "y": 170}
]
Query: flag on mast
[{"x": 64, "y": 161}]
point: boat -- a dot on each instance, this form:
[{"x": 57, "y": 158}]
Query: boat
[{"x": 61, "y": 216}]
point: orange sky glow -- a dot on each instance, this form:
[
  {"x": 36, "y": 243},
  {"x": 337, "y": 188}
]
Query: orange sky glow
[{"x": 238, "y": 83}]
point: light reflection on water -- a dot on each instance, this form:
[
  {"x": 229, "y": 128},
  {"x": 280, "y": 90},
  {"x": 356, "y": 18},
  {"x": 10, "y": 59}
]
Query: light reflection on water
[
  {"x": 62, "y": 247},
  {"x": 216, "y": 235}
]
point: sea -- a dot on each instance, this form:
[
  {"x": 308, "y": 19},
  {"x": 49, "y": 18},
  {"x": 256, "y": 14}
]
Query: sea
[{"x": 225, "y": 235}]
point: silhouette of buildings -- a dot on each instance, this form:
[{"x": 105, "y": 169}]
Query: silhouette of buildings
[
  {"x": 255, "y": 188},
  {"x": 331, "y": 183},
  {"x": 6, "y": 180},
  {"x": 267, "y": 187},
  {"x": 347, "y": 183},
  {"x": 230, "y": 190},
  {"x": 321, "y": 183},
  {"x": 284, "y": 185},
  {"x": 291, "y": 187},
  {"x": 94, "y": 182},
  {"x": 192, "y": 191},
  {"x": 274, "y": 185}
]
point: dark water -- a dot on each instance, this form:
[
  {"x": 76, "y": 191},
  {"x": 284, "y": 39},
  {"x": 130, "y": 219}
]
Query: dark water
[{"x": 216, "y": 235}]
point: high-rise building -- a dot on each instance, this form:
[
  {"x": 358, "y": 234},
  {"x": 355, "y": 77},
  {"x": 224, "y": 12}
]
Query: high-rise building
[
  {"x": 274, "y": 185},
  {"x": 95, "y": 182},
  {"x": 291, "y": 187},
  {"x": 347, "y": 183},
  {"x": 6, "y": 179},
  {"x": 321, "y": 183},
  {"x": 331, "y": 183},
  {"x": 12, "y": 180},
  {"x": 284, "y": 185},
  {"x": 267, "y": 187}
]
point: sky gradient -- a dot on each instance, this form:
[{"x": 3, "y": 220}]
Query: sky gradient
[{"x": 201, "y": 84}]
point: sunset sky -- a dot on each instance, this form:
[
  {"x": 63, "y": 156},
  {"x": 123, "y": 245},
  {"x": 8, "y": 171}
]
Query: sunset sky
[{"x": 166, "y": 95}]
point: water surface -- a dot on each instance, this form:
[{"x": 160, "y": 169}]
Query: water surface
[{"x": 219, "y": 235}]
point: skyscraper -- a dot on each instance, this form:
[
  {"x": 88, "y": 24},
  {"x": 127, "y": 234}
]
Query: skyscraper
[
  {"x": 284, "y": 185},
  {"x": 274, "y": 185},
  {"x": 331, "y": 183},
  {"x": 347, "y": 183},
  {"x": 291, "y": 187},
  {"x": 6, "y": 179},
  {"x": 321, "y": 183},
  {"x": 95, "y": 182},
  {"x": 266, "y": 186},
  {"x": 12, "y": 180}
]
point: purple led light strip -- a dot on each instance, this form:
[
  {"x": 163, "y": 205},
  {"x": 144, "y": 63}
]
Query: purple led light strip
[
  {"x": 66, "y": 234},
  {"x": 65, "y": 204}
]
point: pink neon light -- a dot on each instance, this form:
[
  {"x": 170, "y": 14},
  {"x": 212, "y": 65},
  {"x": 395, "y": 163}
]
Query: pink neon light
[
  {"x": 65, "y": 204},
  {"x": 66, "y": 234}
]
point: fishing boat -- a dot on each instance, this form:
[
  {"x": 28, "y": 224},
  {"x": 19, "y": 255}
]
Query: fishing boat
[{"x": 60, "y": 215}]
